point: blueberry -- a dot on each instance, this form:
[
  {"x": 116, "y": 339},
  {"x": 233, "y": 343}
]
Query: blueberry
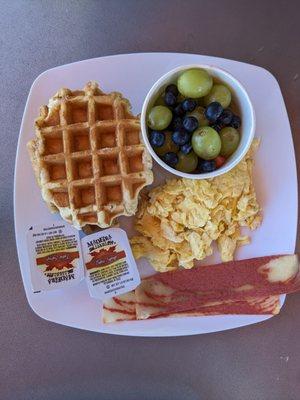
[
  {"x": 190, "y": 124},
  {"x": 217, "y": 127},
  {"x": 225, "y": 118},
  {"x": 213, "y": 111},
  {"x": 235, "y": 122},
  {"x": 179, "y": 111},
  {"x": 186, "y": 148},
  {"x": 180, "y": 137},
  {"x": 172, "y": 89},
  {"x": 157, "y": 139},
  {"x": 189, "y": 105},
  {"x": 170, "y": 99},
  {"x": 176, "y": 123},
  {"x": 207, "y": 165},
  {"x": 171, "y": 159}
]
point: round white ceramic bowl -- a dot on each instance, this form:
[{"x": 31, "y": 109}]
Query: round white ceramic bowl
[{"x": 241, "y": 99}]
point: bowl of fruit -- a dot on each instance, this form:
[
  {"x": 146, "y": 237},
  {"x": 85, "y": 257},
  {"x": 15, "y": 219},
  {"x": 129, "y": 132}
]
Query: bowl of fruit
[{"x": 197, "y": 121}]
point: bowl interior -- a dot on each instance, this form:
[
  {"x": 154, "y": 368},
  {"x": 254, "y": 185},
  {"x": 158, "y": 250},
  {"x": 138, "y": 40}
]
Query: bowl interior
[{"x": 241, "y": 105}]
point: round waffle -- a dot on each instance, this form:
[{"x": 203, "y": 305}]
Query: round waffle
[{"x": 88, "y": 156}]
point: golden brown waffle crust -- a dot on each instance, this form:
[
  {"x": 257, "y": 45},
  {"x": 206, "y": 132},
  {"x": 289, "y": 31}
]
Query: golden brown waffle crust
[{"x": 88, "y": 156}]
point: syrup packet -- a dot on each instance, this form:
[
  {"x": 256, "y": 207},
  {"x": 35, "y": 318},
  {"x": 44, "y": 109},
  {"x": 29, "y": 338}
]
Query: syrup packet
[
  {"x": 55, "y": 256},
  {"x": 109, "y": 263}
]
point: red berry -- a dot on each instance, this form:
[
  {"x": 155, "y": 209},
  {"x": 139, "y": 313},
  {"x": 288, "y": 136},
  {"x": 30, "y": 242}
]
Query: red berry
[{"x": 220, "y": 161}]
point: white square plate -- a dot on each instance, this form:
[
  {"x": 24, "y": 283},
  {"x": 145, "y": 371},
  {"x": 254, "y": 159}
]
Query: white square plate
[{"x": 133, "y": 75}]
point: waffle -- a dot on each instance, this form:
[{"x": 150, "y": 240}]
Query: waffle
[{"x": 88, "y": 156}]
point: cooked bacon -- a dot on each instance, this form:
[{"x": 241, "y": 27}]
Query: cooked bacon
[
  {"x": 149, "y": 305},
  {"x": 117, "y": 309},
  {"x": 185, "y": 290},
  {"x": 237, "y": 287},
  {"x": 120, "y": 308},
  {"x": 257, "y": 306}
]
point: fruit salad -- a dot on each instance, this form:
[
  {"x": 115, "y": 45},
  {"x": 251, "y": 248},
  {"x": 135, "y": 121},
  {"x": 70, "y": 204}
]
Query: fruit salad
[{"x": 193, "y": 126}]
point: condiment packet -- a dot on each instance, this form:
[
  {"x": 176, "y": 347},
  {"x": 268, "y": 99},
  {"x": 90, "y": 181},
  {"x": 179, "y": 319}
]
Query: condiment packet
[
  {"x": 55, "y": 256},
  {"x": 110, "y": 266}
]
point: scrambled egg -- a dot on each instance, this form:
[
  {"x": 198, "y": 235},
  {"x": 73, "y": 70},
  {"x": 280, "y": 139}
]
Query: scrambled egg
[{"x": 179, "y": 220}]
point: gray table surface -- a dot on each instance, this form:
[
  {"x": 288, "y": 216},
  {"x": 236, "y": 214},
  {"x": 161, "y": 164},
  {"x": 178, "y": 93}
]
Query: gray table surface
[{"x": 41, "y": 360}]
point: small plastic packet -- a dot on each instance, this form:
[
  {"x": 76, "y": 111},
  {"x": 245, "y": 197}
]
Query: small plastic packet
[
  {"x": 55, "y": 256},
  {"x": 109, "y": 263}
]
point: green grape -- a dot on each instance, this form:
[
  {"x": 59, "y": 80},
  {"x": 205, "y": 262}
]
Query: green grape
[
  {"x": 198, "y": 113},
  {"x": 230, "y": 139},
  {"x": 194, "y": 83},
  {"x": 187, "y": 162},
  {"x": 219, "y": 93},
  {"x": 206, "y": 143},
  {"x": 168, "y": 146},
  {"x": 159, "y": 118},
  {"x": 160, "y": 101}
]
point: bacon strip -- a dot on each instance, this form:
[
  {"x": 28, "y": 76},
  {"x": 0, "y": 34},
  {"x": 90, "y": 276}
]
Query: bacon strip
[
  {"x": 160, "y": 305},
  {"x": 188, "y": 290},
  {"x": 256, "y": 306},
  {"x": 238, "y": 287},
  {"x": 116, "y": 310},
  {"x": 120, "y": 308}
]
